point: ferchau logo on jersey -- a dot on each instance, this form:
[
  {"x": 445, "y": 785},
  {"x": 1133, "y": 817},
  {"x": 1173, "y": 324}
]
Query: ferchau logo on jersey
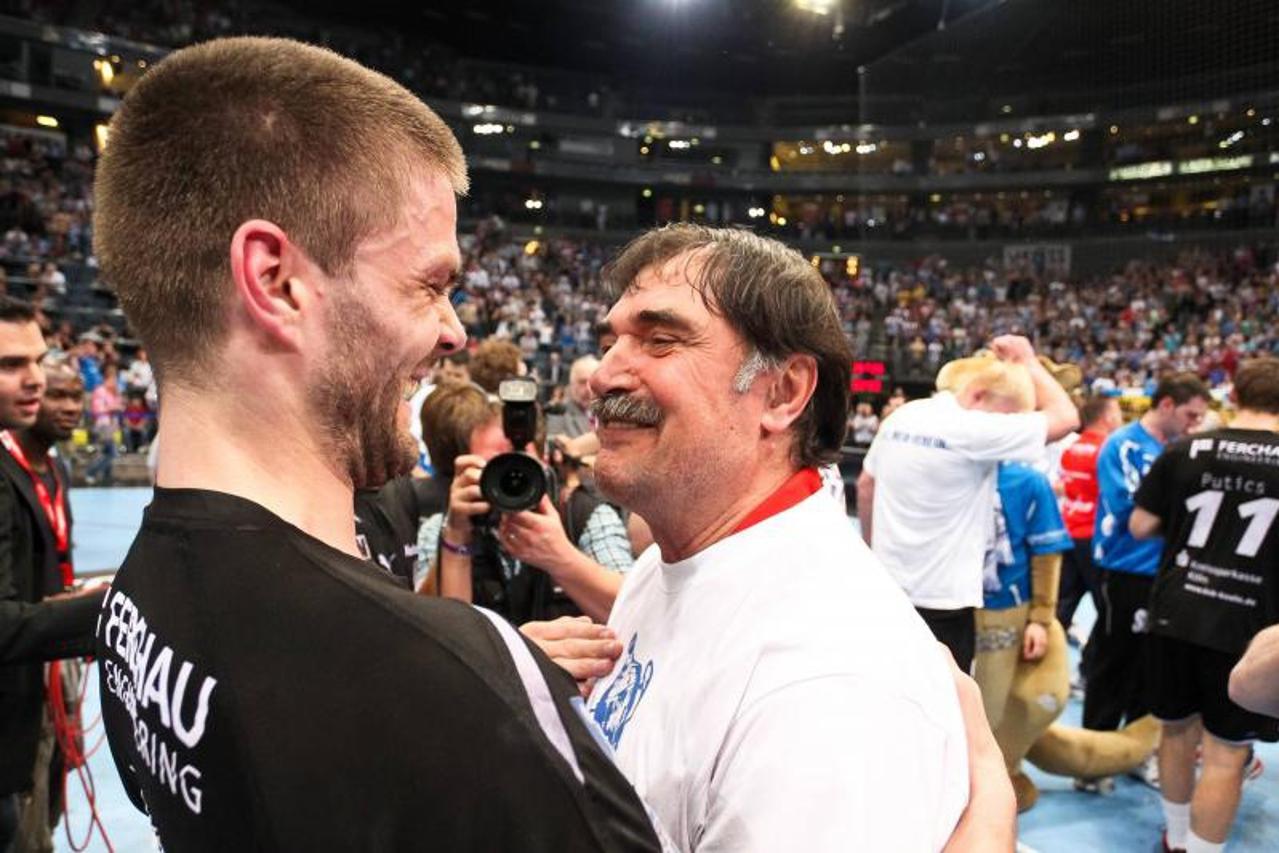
[{"x": 154, "y": 683}]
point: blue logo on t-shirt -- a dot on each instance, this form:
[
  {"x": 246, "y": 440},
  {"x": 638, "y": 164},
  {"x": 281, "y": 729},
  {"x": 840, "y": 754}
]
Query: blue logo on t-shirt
[{"x": 617, "y": 704}]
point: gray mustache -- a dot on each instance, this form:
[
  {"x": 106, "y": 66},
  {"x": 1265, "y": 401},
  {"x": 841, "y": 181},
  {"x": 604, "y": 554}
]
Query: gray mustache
[{"x": 621, "y": 408}]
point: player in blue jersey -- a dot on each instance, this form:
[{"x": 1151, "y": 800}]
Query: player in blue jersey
[
  {"x": 1020, "y": 584},
  {"x": 1116, "y": 680}
]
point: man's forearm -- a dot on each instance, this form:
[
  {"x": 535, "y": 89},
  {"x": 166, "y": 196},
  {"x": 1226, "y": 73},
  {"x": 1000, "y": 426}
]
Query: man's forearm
[
  {"x": 1254, "y": 683},
  {"x": 591, "y": 586},
  {"x": 1053, "y": 401},
  {"x": 455, "y": 576}
]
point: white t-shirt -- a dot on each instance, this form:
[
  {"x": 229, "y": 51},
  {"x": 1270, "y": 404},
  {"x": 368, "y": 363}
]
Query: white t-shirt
[
  {"x": 934, "y": 464},
  {"x": 777, "y": 692}
]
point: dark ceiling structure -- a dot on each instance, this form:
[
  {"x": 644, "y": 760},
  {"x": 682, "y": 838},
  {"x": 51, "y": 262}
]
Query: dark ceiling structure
[{"x": 766, "y": 46}]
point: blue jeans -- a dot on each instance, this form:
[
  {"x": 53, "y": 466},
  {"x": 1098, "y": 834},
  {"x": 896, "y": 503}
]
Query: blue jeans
[{"x": 101, "y": 467}]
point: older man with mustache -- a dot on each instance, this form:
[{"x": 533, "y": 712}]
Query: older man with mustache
[{"x": 777, "y": 691}]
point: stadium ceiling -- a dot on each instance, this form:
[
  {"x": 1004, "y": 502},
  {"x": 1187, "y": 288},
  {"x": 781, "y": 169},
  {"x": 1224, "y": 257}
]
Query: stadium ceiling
[
  {"x": 776, "y": 47},
  {"x": 772, "y": 46}
]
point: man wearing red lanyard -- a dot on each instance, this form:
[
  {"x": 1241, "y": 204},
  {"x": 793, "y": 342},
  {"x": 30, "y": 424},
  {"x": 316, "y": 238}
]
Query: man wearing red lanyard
[
  {"x": 777, "y": 691},
  {"x": 38, "y": 620},
  {"x": 29, "y": 450}
]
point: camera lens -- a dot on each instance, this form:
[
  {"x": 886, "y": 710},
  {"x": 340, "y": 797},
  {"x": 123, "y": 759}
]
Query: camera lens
[{"x": 513, "y": 482}]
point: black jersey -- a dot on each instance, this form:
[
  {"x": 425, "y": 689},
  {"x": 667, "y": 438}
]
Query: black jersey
[
  {"x": 263, "y": 691},
  {"x": 386, "y": 522},
  {"x": 1217, "y": 494}
]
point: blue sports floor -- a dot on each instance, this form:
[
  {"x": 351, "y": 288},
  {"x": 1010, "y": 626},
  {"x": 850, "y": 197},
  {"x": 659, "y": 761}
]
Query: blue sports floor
[{"x": 1063, "y": 822}]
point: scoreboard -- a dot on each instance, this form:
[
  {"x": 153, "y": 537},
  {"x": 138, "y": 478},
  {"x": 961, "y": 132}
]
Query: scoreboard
[{"x": 869, "y": 377}]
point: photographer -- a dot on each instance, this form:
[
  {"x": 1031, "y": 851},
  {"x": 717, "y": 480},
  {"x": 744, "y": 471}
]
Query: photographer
[{"x": 462, "y": 554}]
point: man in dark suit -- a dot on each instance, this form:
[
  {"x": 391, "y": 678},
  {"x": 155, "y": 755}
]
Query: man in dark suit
[{"x": 39, "y": 619}]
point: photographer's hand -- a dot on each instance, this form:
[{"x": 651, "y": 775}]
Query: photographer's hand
[
  {"x": 455, "y": 579},
  {"x": 537, "y": 537},
  {"x": 465, "y": 501}
]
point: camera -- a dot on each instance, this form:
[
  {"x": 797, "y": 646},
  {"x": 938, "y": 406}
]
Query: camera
[{"x": 513, "y": 482}]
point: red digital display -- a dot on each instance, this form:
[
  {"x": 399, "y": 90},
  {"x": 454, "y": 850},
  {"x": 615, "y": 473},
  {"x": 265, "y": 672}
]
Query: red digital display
[{"x": 868, "y": 377}]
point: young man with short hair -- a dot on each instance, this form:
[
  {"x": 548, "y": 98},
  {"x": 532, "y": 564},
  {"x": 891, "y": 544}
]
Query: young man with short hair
[
  {"x": 1214, "y": 497},
  {"x": 280, "y": 225},
  {"x": 44, "y": 481},
  {"x": 39, "y": 620}
]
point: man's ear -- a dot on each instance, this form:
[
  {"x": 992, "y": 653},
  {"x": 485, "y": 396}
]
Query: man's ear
[
  {"x": 264, "y": 271},
  {"x": 789, "y": 391}
]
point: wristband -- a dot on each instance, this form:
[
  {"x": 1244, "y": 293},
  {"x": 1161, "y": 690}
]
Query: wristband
[{"x": 460, "y": 550}]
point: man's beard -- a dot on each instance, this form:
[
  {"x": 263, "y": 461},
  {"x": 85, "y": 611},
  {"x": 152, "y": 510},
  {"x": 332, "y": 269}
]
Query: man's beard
[{"x": 357, "y": 403}]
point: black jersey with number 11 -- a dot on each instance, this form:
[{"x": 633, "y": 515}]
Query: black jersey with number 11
[{"x": 1217, "y": 494}]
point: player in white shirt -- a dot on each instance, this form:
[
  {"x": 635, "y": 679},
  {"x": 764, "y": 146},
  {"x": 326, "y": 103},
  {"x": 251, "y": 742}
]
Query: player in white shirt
[
  {"x": 776, "y": 692},
  {"x": 927, "y": 490}
]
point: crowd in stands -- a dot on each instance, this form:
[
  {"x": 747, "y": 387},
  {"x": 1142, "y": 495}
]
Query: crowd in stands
[
  {"x": 45, "y": 201},
  {"x": 1201, "y": 312},
  {"x": 1021, "y": 215}
]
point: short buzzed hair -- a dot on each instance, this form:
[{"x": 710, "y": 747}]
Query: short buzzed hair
[
  {"x": 15, "y": 311},
  {"x": 244, "y": 128}
]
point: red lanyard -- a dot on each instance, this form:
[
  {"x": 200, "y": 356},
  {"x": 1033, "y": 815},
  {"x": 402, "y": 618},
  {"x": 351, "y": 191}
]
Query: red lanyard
[
  {"x": 802, "y": 484},
  {"x": 54, "y": 507}
]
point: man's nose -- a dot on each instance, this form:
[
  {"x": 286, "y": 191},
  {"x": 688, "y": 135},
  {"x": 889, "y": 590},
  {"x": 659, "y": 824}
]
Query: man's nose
[
  {"x": 452, "y": 334},
  {"x": 615, "y": 372},
  {"x": 33, "y": 379}
]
